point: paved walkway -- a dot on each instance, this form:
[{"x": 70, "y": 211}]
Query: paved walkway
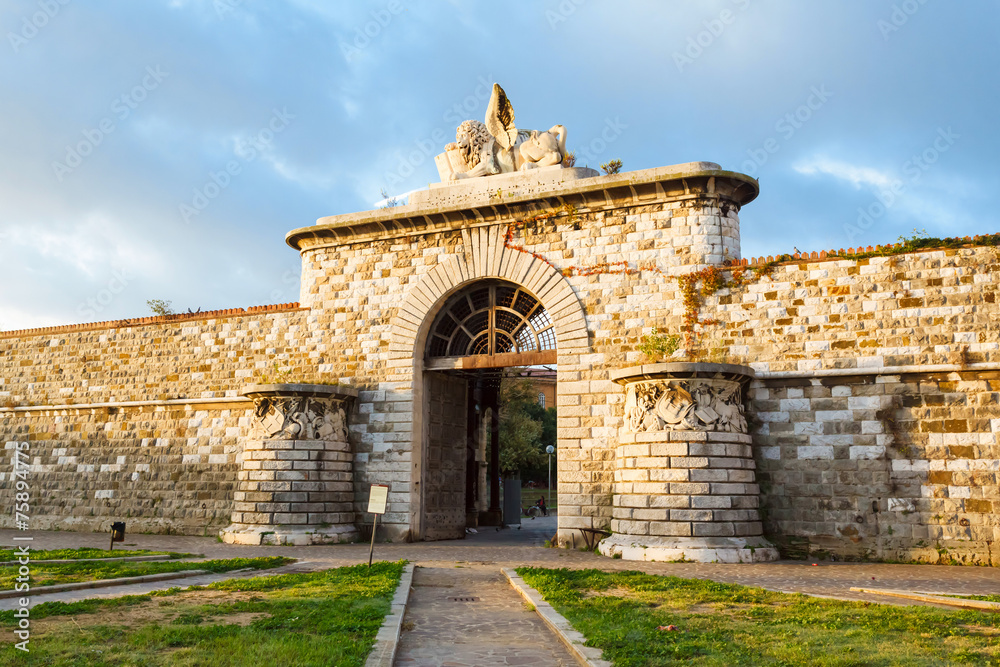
[
  {"x": 515, "y": 548},
  {"x": 469, "y": 616}
]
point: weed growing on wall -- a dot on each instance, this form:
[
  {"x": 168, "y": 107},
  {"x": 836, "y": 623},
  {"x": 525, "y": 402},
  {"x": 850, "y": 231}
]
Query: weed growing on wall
[{"x": 659, "y": 346}]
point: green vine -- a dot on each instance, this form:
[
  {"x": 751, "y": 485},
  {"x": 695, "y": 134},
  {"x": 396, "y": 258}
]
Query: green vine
[{"x": 696, "y": 286}]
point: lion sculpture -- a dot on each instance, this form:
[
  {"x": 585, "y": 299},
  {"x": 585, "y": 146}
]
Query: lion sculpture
[{"x": 498, "y": 147}]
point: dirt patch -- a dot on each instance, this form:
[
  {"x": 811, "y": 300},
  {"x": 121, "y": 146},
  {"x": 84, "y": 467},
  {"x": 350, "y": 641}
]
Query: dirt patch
[
  {"x": 159, "y": 610},
  {"x": 243, "y": 619},
  {"x": 610, "y": 593},
  {"x": 982, "y": 630}
]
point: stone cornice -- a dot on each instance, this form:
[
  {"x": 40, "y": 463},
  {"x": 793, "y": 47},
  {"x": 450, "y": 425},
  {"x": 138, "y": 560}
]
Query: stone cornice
[
  {"x": 331, "y": 391},
  {"x": 235, "y": 401},
  {"x": 680, "y": 370},
  {"x": 882, "y": 371},
  {"x": 635, "y": 188}
]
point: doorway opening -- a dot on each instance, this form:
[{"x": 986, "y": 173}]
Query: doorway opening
[{"x": 490, "y": 329}]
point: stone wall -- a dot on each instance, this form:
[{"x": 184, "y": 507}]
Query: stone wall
[
  {"x": 140, "y": 421},
  {"x": 890, "y": 466},
  {"x": 165, "y": 468},
  {"x": 874, "y": 375}
]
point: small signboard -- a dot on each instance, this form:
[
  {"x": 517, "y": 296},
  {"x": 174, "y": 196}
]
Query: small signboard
[{"x": 378, "y": 498}]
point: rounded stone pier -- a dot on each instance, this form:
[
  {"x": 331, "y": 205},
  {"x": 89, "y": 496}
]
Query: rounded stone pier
[
  {"x": 295, "y": 483},
  {"x": 685, "y": 486}
]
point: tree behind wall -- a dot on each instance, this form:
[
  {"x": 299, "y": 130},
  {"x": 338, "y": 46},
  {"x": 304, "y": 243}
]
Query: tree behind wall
[{"x": 521, "y": 432}]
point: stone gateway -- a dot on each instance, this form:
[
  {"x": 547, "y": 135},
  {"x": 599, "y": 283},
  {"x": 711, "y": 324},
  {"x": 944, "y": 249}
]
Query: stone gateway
[{"x": 845, "y": 403}]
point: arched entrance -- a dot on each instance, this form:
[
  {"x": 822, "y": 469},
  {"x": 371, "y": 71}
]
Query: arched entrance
[
  {"x": 491, "y": 318},
  {"x": 482, "y": 257},
  {"x": 481, "y": 329}
]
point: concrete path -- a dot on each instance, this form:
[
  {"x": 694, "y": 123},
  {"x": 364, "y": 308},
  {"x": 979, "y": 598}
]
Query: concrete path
[{"x": 469, "y": 616}]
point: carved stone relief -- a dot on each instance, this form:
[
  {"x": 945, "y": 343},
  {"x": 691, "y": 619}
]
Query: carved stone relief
[
  {"x": 685, "y": 405},
  {"x": 298, "y": 418}
]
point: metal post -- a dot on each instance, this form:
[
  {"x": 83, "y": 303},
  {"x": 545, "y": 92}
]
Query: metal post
[
  {"x": 548, "y": 489},
  {"x": 371, "y": 550},
  {"x": 548, "y": 501}
]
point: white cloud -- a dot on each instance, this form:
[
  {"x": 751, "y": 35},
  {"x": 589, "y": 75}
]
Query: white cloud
[
  {"x": 856, "y": 175},
  {"x": 90, "y": 246}
]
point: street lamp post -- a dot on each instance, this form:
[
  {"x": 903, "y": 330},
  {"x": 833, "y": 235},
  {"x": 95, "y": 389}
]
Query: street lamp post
[{"x": 549, "y": 450}]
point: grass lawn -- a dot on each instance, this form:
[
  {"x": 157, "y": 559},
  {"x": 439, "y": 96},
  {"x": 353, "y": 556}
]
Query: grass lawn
[
  {"x": 47, "y": 574},
  {"x": 74, "y": 554},
  {"x": 726, "y": 624},
  {"x": 317, "y": 618}
]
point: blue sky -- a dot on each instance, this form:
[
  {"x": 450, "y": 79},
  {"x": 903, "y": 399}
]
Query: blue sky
[{"x": 162, "y": 149}]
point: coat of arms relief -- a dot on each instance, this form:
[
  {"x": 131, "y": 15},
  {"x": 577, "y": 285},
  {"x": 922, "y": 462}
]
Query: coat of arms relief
[{"x": 690, "y": 405}]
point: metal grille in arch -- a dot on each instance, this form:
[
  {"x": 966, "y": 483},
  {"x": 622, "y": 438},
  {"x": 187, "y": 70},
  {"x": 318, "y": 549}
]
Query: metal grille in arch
[{"x": 491, "y": 317}]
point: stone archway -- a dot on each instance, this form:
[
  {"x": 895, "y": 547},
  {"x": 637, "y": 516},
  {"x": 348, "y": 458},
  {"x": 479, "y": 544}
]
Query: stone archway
[{"x": 485, "y": 257}]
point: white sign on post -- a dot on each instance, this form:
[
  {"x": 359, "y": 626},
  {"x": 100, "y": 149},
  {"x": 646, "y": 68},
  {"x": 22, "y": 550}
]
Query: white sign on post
[{"x": 377, "y": 500}]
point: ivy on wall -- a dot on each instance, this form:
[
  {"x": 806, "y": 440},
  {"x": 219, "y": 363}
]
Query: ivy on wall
[{"x": 696, "y": 286}]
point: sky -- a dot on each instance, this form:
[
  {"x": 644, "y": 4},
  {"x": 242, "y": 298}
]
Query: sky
[{"x": 162, "y": 149}]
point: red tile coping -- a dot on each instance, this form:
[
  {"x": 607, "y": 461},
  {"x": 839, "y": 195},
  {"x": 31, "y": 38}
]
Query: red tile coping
[
  {"x": 851, "y": 253},
  {"x": 159, "y": 319}
]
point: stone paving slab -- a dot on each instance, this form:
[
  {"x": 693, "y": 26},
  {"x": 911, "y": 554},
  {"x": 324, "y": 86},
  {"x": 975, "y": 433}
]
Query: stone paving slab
[{"x": 494, "y": 628}]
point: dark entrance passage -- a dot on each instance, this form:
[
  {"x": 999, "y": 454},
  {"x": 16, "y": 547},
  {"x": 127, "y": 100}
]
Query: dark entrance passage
[{"x": 483, "y": 329}]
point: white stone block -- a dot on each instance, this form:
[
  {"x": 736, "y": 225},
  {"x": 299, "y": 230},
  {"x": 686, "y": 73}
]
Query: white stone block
[
  {"x": 815, "y": 452},
  {"x": 864, "y": 402},
  {"x": 808, "y": 428},
  {"x": 959, "y": 492},
  {"x": 871, "y": 427},
  {"x": 104, "y": 494},
  {"x": 795, "y": 404},
  {"x": 901, "y": 505},
  {"x": 867, "y": 452},
  {"x": 995, "y": 425},
  {"x": 771, "y": 453},
  {"x": 919, "y": 465},
  {"x": 834, "y": 415}
]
